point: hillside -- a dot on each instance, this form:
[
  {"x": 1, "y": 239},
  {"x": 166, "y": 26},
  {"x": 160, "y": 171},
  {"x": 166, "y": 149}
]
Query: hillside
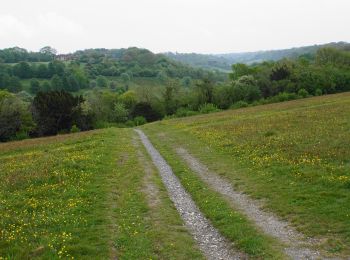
[
  {"x": 101, "y": 88},
  {"x": 98, "y": 194},
  {"x": 111, "y": 69},
  {"x": 294, "y": 156},
  {"x": 224, "y": 61},
  {"x": 85, "y": 196}
]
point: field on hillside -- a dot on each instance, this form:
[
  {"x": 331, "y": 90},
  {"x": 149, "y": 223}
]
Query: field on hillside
[
  {"x": 91, "y": 195},
  {"x": 97, "y": 195},
  {"x": 137, "y": 82},
  {"x": 293, "y": 155}
]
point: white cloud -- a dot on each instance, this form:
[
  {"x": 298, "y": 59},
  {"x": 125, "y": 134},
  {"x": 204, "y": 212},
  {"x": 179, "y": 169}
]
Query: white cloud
[
  {"x": 47, "y": 28},
  {"x": 54, "y": 23},
  {"x": 209, "y": 26},
  {"x": 11, "y": 26}
]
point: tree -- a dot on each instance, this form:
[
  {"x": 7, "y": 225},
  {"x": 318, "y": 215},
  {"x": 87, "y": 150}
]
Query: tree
[
  {"x": 101, "y": 82},
  {"x": 120, "y": 113},
  {"x": 47, "y": 50},
  {"x": 146, "y": 110},
  {"x": 186, "y": 81},
  {"x": 125, "y": 77},
  {"x": 222, "y": 96},
  {"x": 23, "y": 70},
  {"x": 14, "y": 84},
  {"x": 245, "y": 89},
  {"x": 73, "y": 84},
  {"x": 15, "y": 117},
  {"x": 170, "y": 97},
  {"x": 42, "y": 71},
  {"x": 205, "y": 89},
  {"x": 239, "y": 70},
  {"x": 56, "y": 67},
  {"x": 333, "y": 57},
  {"x": 162, "y": 76},
  {"x": 101, "y": 104},
  {"x": 280, "y": 71},
  {"x": 55, "y": 111},
  {"x": 79, "y": 75},
  {"x": 46, "y": 86},
  {"x": 112, "y": 85},
  {"x": 128, "y": 98},
  {"x": 34, "y": 86},
  {"x": 57, "y": 83}
]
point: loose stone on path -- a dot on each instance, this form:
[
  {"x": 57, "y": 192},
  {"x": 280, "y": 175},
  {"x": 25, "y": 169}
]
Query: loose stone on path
[{"x": 210, "y": 241}]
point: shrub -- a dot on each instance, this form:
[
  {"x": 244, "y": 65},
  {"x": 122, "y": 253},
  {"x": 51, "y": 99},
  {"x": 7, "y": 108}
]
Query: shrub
[
  {"x": 284, "y": 96},
  {"x": 74, "y": 129},
  {"x": 130, "y": 123},
  {"x": 15, "y": 117},
  {"x": 303, "y": 93},
  {"x": 239, "y": 104},
  {"x": 21, "y": 135},
  {"x": 101, "y": 82},
  {"x": 99, "y": 124},
  {"x": 120, "y": 113},
  {"x": 183, "y": 112},
  {"x": 139, "y": 120},
  {"x": 208, "y": 108},
  {"x": 55, "y": 111},
  {"x": 147, "y": 111},
  {"x": 318, "y": 92}
]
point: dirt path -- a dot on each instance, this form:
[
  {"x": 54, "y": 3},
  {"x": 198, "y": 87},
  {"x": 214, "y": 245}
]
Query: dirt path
[
  {"x": 297, "y": 246},
  {"x": 150, "y": 189},
  {"x": 210, "y": 241}
]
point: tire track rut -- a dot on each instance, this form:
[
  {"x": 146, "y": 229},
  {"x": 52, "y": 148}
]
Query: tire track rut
[
  {"x": 210, "y": 241},
  {"x": 297, "y": 246}
]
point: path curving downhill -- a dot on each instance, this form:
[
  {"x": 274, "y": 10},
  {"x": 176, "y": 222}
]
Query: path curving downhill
[
  {"x": 210, "y": 241},
  {"x": 297, "y": 247}
]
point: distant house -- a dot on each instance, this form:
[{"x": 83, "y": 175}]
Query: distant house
[{"x": 64, "y": 57}]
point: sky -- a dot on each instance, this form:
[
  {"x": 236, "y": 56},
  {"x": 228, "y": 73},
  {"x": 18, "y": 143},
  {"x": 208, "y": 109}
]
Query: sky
[{"x": 201, "y": 26}]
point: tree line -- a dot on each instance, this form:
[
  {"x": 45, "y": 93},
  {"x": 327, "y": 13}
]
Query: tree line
[
  {"x": 16, "y": 54},
  {"x": 62, "y": 109}
]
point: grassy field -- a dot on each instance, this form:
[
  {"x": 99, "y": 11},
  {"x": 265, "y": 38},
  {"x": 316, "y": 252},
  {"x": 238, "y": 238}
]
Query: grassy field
[
  {"x": 97, "y": 195},
  {"x": 138, "y": 84},
  {"x": 231, "y": 223},
  {"x": 85, "y": 196},
  {"x": 293, "y": 155}
]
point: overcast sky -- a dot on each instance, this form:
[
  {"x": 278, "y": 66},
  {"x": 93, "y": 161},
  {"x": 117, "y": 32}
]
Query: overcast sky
[{"x": 204, "y": 26}]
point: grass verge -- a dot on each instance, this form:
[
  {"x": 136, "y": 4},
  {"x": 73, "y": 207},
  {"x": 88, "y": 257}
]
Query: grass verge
[
  {"x": 81, "y": 196},
  {"x": 293, "y": 155},
  {"x": 232, "y": 224}
]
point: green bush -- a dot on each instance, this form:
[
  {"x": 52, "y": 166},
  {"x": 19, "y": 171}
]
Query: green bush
[
  {"x": 139, "y": 120},
  {"x": 303, "y": 93},
  {"x": 208, "y": 108},
  {"x": 239, "y": 104},
  {"x": 101, "y": 124},
  {"x": 75, "y": 129},
  {"x": 284, "y": 96},
  {"x": 130, "y": 123},
  {"x": 120, "y": 113},
  {"x": 21, "y": 135},
  {"x": 318, "y": 92},
  {"x": 183, "y": 112}
]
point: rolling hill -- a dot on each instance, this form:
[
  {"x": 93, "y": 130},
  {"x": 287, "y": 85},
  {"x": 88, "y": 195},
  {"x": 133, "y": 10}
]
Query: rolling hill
[
  {"x": 224, "y": 61},
  {"x": 97, "y": 194}
]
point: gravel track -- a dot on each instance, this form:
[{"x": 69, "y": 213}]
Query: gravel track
[
  {"x": 298, "y": 247},
  {"x": 210, "y": 241}
]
